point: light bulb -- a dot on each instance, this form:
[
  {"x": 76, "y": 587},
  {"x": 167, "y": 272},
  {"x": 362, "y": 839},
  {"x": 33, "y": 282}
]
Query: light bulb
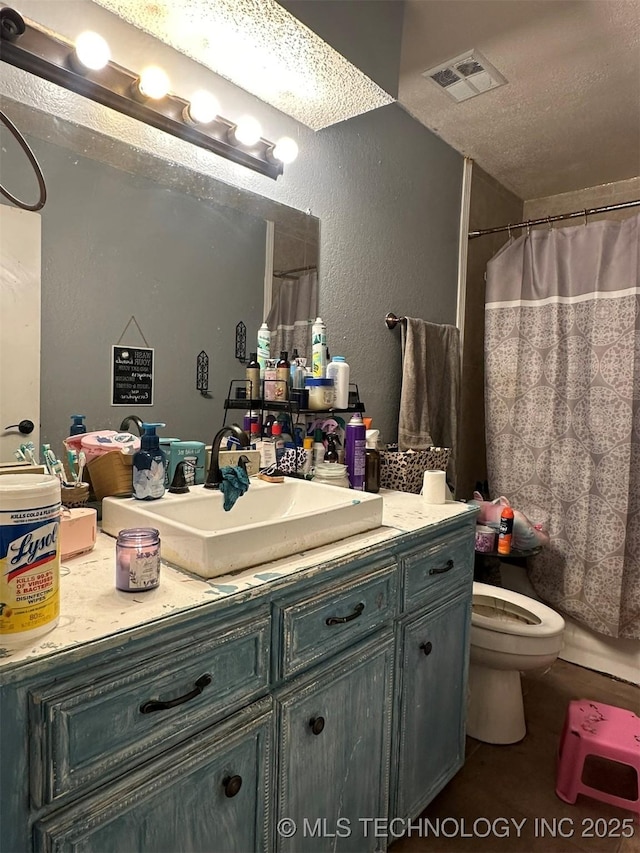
[
  {"x": 248, "y": 131},
  {"x": 202, "y": 109},
  {"x": 153, "y": 83},
  {"x": 285, "y": 150},
  {"x": 91, "y": 52}
]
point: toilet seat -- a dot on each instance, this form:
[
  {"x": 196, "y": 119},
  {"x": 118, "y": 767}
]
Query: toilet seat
[{"x": 526, "y": 617}]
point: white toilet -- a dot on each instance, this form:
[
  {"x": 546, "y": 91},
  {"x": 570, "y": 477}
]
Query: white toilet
[{"x": 510, "y": 633}]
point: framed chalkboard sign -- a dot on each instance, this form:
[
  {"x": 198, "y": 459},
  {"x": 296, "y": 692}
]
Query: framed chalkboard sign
[{"x": 131, "y": 376}]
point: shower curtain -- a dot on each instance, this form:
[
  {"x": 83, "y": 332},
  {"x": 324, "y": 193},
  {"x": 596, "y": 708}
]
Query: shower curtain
[
  {"x": 562, "y": 399},
  {"x": 294, "y": 308}
]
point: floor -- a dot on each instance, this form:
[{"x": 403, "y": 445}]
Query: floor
[{"x": 507, "y": 793}]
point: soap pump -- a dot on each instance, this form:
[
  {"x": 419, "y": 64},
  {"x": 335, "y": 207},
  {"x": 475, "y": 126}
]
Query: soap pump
[
  {"x": 78, "y": 426},
  {"x": 149, "y": 465}
]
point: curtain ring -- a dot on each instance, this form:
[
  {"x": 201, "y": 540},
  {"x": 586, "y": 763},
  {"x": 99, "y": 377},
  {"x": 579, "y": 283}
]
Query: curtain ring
[
  {"x": 585, "y": 215},
  {"x": 509, "y": 230},
  {"x": 528, "y": 228},
  {"x": 549, "y": 223}
]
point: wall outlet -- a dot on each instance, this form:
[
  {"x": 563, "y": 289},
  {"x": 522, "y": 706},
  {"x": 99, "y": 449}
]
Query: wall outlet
[{"x": 230, "y": 457}]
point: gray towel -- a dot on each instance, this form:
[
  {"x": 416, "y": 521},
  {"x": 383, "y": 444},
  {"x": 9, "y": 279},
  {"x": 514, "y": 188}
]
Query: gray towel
[{"x": 430, "y": 388}]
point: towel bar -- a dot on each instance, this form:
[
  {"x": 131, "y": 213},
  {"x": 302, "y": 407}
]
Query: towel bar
[{"x": 392, "y": 321}]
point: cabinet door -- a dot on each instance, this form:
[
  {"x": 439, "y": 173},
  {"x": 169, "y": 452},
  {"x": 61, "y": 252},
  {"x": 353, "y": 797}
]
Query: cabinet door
[
  {"x": 209, "y": 796},
  {"x": 434, "y": 655},
  {"x": 334, "y": 753}
]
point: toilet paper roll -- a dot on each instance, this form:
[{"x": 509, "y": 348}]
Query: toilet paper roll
[{"x": 434, "y": 487}]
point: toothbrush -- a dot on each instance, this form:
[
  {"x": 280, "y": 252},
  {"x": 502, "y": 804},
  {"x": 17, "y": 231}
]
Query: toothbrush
[
  {"x": 72, "y": 459},
  {"x": 82, "y": 461}
]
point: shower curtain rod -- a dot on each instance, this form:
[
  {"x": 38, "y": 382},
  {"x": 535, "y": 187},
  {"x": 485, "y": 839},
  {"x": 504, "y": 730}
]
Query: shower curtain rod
[
  {"x": 549, "y": 219},
  {"x": 285, "y": 273}
]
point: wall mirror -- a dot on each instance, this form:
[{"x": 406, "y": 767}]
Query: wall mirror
[{"x": 127, "y": 235}]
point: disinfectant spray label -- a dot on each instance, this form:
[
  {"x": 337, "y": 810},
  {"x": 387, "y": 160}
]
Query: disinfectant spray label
[{"x": 30, "y": 568}]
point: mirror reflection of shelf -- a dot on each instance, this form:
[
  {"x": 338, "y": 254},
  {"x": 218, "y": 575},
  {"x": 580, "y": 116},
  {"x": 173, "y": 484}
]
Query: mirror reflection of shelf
[{"x": 282, "y": 402}]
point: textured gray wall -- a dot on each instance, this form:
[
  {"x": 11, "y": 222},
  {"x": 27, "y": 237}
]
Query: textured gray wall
[{"x": 386, "y": 190}]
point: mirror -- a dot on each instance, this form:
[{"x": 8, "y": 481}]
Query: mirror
[{"x": 138, "y": 251}]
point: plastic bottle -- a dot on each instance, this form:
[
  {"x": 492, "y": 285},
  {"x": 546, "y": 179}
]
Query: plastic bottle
[
  {"x": 338, "y": 370},
  {"x": 278, "y": 441},
  {"x": 308, "y": 454},
  {"x": 252, "y": 375},
  {"x": 318, "y": 447},
  {"x": 505, "y": 532},
  {"x": 319, "y": 349},
  {"x": 149, "y": 465},
  {"x": 372, "y": 462},
  {"x": 264, "y": 347},
  {"x": 355, "y": 445},
  {"x": 283, "y": 376},
  {"x": 78, "y": 426}
]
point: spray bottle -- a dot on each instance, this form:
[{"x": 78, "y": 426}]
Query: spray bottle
[
  {"x": 319, "y": 349},
  {"x": 264, "y": 347},
  {"x": 355, "y": 445},
  {"x": 149, "y": 465}
]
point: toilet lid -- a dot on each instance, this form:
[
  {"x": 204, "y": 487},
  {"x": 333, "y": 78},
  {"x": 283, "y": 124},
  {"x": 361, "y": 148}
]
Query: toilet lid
[{"x": 509, "y": 612}]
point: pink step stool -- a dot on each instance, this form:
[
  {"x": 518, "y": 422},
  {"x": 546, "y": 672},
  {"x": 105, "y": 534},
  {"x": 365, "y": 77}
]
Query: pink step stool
[{"x": 593, "y": 728}]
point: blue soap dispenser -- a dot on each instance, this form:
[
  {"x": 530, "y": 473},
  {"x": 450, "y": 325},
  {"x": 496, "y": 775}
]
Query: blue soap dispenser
[
  {"x": 78, "y": 426},
  {"x": 149, "y": 465}
]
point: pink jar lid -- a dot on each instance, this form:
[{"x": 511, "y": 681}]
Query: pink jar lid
[{"x": 107, "y": 440}]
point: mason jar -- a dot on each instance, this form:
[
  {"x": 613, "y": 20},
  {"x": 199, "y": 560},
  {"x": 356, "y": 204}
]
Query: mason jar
[
  {"x": 332, "y": 474},
  {"x": 138, "y": 559}
]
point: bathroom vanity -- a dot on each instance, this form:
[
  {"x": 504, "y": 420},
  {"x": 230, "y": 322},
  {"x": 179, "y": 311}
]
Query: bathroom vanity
[{"x": 283, "y": 708}]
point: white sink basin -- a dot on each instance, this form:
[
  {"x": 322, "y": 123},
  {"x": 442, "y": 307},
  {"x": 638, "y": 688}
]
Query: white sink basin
[{"x": 271, "y": 520}]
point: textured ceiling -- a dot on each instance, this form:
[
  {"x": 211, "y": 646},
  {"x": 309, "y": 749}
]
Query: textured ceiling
[
  {"x": 569, "y": 117},
  {"x": 260, "y": 47}
]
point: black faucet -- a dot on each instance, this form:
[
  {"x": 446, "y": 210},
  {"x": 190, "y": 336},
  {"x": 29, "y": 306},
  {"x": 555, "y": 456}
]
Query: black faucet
[
  {"x": 214, "y": 477},
  {"x": 124, "y": 426}
]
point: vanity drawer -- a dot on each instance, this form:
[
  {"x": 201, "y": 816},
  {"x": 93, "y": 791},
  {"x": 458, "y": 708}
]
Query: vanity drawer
[
  {"x": 88, "y": 728},
  {"x": 315, "y": 628},
  {"x": 436, "y": 569}
]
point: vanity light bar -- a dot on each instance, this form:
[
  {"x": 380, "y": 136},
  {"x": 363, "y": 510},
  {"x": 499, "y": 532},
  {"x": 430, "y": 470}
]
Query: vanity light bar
[{"x": 36, "y": 51}]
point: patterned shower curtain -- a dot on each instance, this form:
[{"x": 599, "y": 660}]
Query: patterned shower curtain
[
  {"x": 562, "y": 398},
  {"x": 294, "y": 308}
]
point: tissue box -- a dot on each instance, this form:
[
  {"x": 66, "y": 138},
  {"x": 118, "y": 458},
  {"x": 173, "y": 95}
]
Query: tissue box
[
  {"x": 77, "y": 532},
  {"x": 403, "y": 470},
  {"x": 189, "y": 451}
]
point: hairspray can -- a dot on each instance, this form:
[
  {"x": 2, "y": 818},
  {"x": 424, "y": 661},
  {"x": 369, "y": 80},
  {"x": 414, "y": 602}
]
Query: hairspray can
[
  {"x": 354, "y": 455},
  {"x": 319, "y": 349},
  {"x": 506, "y": 531}
]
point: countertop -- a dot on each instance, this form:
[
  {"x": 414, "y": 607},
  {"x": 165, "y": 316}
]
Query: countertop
[{"x": 91, "y": 608}]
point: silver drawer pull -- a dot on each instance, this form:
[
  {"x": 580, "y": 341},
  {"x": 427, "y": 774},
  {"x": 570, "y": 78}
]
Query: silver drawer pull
[
  {"x": 441, "y": 571},
  {"x": 159, "y": 705},
  {"x": 340, "y": 620}
]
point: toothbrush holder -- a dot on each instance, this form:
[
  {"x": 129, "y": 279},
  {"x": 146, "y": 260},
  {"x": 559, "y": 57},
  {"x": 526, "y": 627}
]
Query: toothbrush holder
[{"x": 74, "y": 496}]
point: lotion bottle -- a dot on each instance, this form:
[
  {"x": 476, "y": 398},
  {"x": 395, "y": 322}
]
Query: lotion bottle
[
  {"x": 149, "y": 465},
  {"x": 338, "y": 370}
]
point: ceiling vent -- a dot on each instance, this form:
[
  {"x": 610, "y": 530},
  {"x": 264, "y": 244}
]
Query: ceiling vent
[{"x": 465, "y": 76}]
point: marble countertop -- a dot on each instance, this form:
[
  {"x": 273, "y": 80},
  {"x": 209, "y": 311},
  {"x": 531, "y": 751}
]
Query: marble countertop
[{"x": 91, "y": 608}]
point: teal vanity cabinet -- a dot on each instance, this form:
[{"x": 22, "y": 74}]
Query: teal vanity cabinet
[
  {"x": 433, "y": 644},
  {"x": 325, "y": 697},
  {"x": 335, "y": 719}
]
